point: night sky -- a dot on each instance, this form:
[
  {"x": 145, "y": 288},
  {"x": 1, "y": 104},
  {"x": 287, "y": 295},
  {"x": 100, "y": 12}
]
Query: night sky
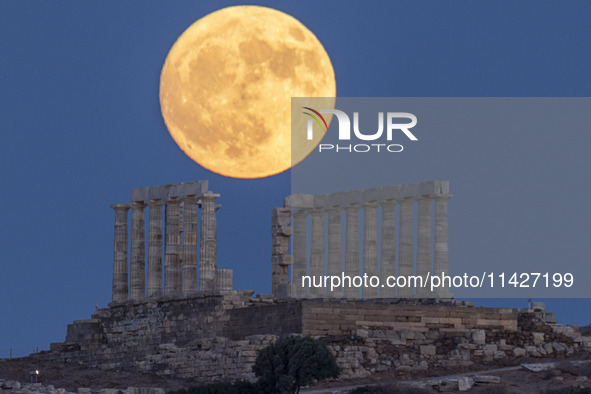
[{"x": 81, "y": 126}]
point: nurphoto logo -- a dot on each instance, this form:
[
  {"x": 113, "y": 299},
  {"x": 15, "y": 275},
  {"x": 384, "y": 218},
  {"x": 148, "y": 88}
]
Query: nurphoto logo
[{"x": 393, "y": 124}]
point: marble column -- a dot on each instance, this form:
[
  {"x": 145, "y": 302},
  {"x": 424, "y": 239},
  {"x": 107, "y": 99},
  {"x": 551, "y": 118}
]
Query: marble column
[
  {"x": 406, "y": 253},
  {"x": 388, "y": 248},
  {"x": 189, "y": 268},
  {"x": 441, "y": 261},
  {"x": 138, "y": 252},
  {"x": 317, "y": 251},
  {"x": 208, "y": 247},
  {"x": 223, "y": 280},
  {"x": 370, "y": 248},
  {"x": 155, "y": 248},
  {"x": 424, "y": 244},
  {"x": 335, "y": 251},
  {"x": 300, "y": 257},
  {"x": 120, "y": 287},
  {"x": 281, "y": 260},
  {"x": 352, "y": 250},
  {"x": 172, "y": 257}
]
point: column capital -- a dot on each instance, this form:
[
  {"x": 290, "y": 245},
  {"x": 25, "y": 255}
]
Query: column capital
[
  {"x": 334, "y": 210},
  {"x": 300, "y": 212},
  {"x": 388, "y": 203},
  {"x": 210, "y": 196},
  {"x": 317, "y": 212},
  {"x": 424, "y": 200},
  {"x": 444, "y": 197},
  {"x": 407, "y": 201},
  {"x": 120, "y": 206},
  {"x": 155, "y": 203},
  {"x": 371, "y": 204},
  {"x": 137, "y": 205},
  {"x": 353, "y": 208},
  {"x": 190, "y": 199}
]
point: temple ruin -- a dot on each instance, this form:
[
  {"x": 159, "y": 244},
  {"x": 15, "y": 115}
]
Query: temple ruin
[
  {"x": 180, "y": 203},
  {"x": 430, "y": 259},
  {"x": 188, "y": 323},
  {"x": 179, "y": 271}
]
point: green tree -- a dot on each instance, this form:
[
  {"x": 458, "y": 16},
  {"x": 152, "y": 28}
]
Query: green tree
[{"x": 293, "y": 362}]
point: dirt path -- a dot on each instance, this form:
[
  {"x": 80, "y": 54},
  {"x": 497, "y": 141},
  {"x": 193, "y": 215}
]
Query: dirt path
[{"x": 520, "y": 378}]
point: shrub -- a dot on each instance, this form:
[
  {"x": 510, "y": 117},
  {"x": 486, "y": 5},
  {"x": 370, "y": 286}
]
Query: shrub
[{"x": 293, "y": 362}]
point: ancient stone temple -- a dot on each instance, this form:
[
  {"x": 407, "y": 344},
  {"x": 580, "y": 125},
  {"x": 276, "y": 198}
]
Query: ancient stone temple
[
  {"x": 431, "y": 199},
  {"x": 188, "y": 323},
  {"x": 177, "y": 243}
]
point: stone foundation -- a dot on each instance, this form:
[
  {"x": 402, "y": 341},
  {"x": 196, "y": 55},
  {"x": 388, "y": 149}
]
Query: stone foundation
[{"x": 212, "y": 337}]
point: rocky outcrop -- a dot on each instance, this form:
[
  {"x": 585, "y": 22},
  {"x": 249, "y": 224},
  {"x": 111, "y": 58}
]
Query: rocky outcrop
[{"x": 212, "y": 337}]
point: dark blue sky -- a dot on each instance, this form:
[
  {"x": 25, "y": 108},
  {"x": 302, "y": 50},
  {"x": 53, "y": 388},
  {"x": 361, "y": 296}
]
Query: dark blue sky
[{"x": 81, "y": 124}]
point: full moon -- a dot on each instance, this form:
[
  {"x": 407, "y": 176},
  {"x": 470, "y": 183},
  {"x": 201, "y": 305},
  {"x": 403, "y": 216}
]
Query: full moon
[{"x": 226, "y": 89}]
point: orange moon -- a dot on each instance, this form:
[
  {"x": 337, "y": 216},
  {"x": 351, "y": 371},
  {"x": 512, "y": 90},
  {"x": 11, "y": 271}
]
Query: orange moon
[{"x": 226, "y": 89}]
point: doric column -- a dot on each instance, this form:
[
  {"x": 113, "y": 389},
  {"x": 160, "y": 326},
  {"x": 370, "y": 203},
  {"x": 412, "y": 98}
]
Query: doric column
[
  {"x": 120, "y": 253},
  {"x": 189, "y": 269},
  {"x": 155, "y": 248},
  {"x": 441, "y": 263},
  {"x": 172, "y": 261},
  {"x": 223, "y": 280},
  {"x": 281, "y": 230},
  {"x": 406, "y": 255},
  {"x": 370, "y": 248},
  {"x": 388, "y": 248},
  {"x": 424, "y": 243},
  {"x": 208, "y": 247},
  {"x": 300, "y": 258},
  {"x": 317, "y": 251},
  {"x": 138, "y": 252},
  {"x": 352, "y": 249},
  {"x": 335, "y": 253}
]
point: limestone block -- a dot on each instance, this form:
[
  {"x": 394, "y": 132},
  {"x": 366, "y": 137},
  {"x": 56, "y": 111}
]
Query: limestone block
[
  {"x": 537, "y": 367},
  {"x": 428, "y": 350},
  {"x": 405, "y": 359},
  {"x": 465, "y": 383},
  {"x": 538, "y": 337},
  {"x": 570, "y": 332},
  {"x": 519, "y": 352},
  {"x": 479, "y": 337},
  {"x": 559, "y": 348},
  {"x": 487, "y": 379},
  {"x": 490, "y": 350},
  {"x": 164, "y": 192},
  {"x": 548, "y": 348},
  {"x": 299, "y": 201},
  {"x": 559, "y": 329},
  {"x": 499, "y": 354},
  {"x": 285, "y": 230}
]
